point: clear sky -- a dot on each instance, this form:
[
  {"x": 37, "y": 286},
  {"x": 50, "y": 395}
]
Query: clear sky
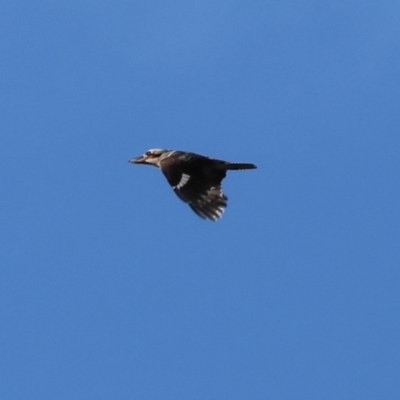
[{"x": 112, "y": 288}]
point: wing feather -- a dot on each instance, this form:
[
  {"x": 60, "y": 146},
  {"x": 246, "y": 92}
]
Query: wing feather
[{"x": 204, "y": 195}]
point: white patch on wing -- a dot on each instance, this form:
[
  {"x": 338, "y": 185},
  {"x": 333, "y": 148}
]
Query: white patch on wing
[{"x": 184, "y": 180}]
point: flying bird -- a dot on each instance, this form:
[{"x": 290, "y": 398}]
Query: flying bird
[{"x": 195, "y": 179}]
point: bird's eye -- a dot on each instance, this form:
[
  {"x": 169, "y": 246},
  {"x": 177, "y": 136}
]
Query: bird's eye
[{"x": 148, "y": 153}]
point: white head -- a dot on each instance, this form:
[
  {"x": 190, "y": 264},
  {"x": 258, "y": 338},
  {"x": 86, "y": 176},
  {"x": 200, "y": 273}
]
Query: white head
[{"x": 152, "y": 157}]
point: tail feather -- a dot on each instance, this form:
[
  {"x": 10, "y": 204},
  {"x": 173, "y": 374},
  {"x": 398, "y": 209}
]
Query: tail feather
[{"x": 233, "y": 166}]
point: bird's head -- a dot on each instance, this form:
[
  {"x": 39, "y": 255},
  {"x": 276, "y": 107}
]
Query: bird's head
[{"x": 151, "y": 157}]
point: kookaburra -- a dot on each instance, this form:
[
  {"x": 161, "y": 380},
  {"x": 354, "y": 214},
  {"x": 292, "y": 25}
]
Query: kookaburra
[{"x": 194, "y": 178}]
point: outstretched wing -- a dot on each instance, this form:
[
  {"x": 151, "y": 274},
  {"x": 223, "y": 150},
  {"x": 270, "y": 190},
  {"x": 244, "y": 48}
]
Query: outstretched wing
[
  {"x": 205, "y": 200},
  {"x": 204, "y": 196}
]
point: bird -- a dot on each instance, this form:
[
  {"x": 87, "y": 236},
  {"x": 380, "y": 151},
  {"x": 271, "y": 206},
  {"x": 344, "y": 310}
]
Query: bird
[{"x": 195, "y": 179}]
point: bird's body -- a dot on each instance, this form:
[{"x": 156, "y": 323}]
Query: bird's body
[{"x": 195, "y": 179}]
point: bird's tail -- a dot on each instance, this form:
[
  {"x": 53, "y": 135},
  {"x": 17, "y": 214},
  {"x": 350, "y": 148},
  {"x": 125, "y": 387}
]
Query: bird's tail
[{"x": 233, "y": 166}]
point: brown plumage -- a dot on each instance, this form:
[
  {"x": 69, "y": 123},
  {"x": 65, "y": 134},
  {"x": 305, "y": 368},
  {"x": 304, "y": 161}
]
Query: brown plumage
[{"x": 195, "y": 179}]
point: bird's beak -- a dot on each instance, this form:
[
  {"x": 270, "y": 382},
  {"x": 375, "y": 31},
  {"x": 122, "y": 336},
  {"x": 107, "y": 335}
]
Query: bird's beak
[{"x": 138, "y": 160}]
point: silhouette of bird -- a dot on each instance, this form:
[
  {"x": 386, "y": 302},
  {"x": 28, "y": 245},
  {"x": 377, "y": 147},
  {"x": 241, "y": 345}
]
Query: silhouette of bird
[{"x": 196, "y": 179}]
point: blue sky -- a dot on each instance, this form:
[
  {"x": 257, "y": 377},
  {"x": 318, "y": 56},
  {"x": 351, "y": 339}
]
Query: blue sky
[{"x": 112, "y": 288}]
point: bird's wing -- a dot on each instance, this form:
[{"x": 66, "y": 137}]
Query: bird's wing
[{"x": 204, "y": 197}]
